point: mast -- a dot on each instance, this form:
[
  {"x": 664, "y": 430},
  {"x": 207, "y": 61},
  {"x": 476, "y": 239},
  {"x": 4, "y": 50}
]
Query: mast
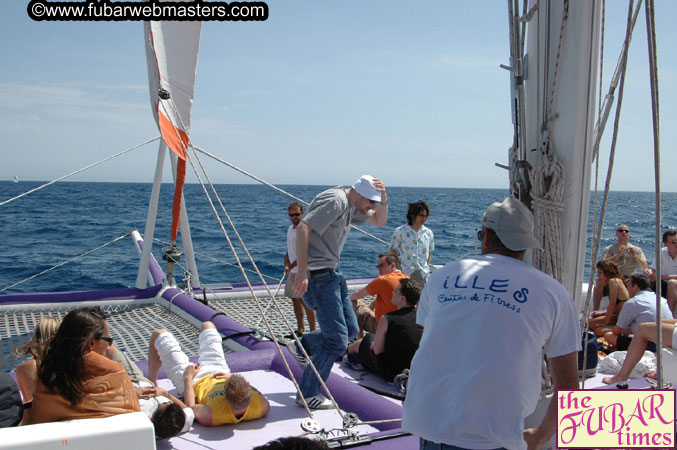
[{"x": 560, "y": 88}]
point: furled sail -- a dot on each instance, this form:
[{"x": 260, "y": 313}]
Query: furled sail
[{"x": 171, "y": 54}]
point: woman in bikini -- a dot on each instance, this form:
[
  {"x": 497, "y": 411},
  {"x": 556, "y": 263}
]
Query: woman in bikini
[{"x": 609, "y": 276}]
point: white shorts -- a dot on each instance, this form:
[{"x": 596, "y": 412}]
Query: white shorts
[
  {"x": 175, "y": 361},
  {"x": 674, "y": 337},
  {"x": 289, "y": 286}
]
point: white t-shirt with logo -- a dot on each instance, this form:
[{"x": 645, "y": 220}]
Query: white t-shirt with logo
[{"x": 477, "y": 372}]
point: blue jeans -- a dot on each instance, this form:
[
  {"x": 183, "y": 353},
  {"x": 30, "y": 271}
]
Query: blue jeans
[
  {"x": 328, "y": 295},
  {"x": 429, "y": 445}
]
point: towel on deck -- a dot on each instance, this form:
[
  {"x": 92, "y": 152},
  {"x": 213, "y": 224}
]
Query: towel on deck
[{"x": 107, "y": 390}]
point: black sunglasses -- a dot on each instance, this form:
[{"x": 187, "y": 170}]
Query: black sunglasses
[
  {"x": 480, "y": 235},
  {"x": 294, "y": 214},
  {"x": 107, "y": 339},
  {"x": 623, "y": 231}
]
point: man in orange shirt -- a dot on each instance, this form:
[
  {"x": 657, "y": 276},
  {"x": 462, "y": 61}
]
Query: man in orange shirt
[{"x": 382, "y": 287}]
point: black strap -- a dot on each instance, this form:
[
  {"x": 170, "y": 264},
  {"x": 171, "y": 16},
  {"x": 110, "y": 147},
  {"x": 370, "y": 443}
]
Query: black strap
[{"x": 217, "y": 314}]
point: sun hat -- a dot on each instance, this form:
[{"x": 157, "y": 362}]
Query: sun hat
[
  {"x": 512, "y": 222},
  {"x": 365, "y": 187}
]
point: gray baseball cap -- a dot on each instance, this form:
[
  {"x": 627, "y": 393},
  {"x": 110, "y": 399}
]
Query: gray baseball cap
[{"x": 512, "y": 221}]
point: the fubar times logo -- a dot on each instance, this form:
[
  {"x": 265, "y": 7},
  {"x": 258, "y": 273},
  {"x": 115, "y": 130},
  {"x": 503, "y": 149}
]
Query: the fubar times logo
[{"x": 616, "y": 418}]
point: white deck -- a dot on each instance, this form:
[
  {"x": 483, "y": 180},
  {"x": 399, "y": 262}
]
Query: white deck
[{"x": 133, "y": 431}]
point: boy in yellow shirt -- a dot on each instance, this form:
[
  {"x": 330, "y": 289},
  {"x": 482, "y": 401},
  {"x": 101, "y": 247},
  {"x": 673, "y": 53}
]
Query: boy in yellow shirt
[{"x": 215, "y": 395}]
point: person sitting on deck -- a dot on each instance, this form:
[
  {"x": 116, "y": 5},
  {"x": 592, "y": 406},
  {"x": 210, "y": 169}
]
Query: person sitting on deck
[
  {"x": 27, "y": 371},
  {"x": 382, "y": 286},
  {"x": 668, "y": 269},
  {"x": 170, "y": 416},
  {"x": 390, "y": 350},
  {"x": 610, "y": 277},
  {"x": 215, "y": 395},
  {"x": 626, "y": 256},
  {"x": 646, "y": 333},
  {"x": 75, "y": 380},
  {"x": 639, "y": 309}
]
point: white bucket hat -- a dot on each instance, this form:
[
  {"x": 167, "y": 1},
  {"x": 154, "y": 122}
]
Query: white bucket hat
[
  {"x": 512, "y": 222},
  {"x": 365, "y": 187}
]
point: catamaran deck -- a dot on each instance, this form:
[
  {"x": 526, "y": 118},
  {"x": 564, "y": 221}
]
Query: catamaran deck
[{"x": 132, "y": 322}]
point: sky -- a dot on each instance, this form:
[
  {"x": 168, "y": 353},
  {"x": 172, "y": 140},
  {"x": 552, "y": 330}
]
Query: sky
[{"x": 320, "y": 93}]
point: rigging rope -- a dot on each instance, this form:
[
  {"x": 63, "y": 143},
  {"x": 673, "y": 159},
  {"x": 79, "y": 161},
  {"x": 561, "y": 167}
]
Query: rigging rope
[
  {"x": 66, "y": 262},
  {"x": 282, "y": 191},
  {"x": 594, "y": 245},
  {"x": 79, "y": 170},
  {"x": 653, "y": 73},
  {"x": 597, "y": 239},
  {"x": 612, "y": 153},
  {"x": 547, "y": 181},
  {"x": 251, "y": 289},
  {"x": 204, "y": 255},
  {"x": 550, "y": 118}
]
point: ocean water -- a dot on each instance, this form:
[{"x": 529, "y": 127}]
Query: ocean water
[{"x": 67, "y": 219}]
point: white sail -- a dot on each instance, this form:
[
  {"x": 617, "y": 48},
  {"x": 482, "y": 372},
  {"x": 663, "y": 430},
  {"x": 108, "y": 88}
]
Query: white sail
[
  {"x": 171, "y": 54},
  {"x": 16, "y": 178}
]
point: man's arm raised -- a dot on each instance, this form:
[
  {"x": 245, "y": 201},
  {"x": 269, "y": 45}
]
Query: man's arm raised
[{"x": 380, "y": 215}]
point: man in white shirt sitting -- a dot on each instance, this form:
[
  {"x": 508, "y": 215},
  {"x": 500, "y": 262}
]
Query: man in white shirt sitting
[
  {"x": 668, "y": 269},
  {"x": 639, "y": 309}
]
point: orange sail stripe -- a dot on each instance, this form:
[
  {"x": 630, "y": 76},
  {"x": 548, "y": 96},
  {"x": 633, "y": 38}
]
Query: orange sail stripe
[
  {"x": 171, "y": 135},
  {"x": 178, "y": 190}
]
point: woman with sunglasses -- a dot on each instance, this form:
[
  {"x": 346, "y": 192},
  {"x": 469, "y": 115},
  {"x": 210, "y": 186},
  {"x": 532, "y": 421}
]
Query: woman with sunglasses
[{"x": 75, "y": 380}]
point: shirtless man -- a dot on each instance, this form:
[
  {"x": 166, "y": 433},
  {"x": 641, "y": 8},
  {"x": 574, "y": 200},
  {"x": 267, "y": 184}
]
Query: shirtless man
[{"x": 627, "y": 257}]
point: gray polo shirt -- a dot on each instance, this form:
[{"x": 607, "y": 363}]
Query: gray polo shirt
[{"x": 330, "y": 216}]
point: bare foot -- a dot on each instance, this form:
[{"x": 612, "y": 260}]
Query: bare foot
[
  {"x": 651, "y": 375},
  {"x": 612, "y": 380}
]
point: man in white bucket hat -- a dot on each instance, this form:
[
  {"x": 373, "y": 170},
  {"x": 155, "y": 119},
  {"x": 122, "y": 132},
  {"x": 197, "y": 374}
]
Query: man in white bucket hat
[
  {"x": 485, "y": 322},
  {"x": 319, "y": 240}
]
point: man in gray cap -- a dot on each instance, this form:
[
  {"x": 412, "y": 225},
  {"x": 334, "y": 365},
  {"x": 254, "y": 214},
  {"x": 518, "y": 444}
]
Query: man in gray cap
[
  {"x": 486, "y": 320},
  {"x": 319, "y": 240}
]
